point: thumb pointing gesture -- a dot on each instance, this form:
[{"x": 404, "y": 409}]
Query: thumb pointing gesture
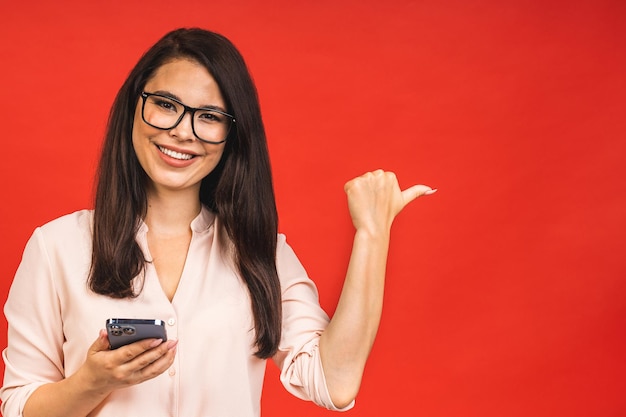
[
  {"x": 375, "y": 198},
  {"x": 414, "y": 192}
]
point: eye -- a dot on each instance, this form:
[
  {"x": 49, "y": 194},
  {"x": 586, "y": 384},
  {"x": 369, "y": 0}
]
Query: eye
[
  {"x": 164, "y": 104},
  {"x": 210, "y": 116}
]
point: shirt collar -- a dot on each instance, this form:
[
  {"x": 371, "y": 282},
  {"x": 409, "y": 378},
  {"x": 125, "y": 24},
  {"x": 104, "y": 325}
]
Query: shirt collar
[{"x": 202, "y": 222}]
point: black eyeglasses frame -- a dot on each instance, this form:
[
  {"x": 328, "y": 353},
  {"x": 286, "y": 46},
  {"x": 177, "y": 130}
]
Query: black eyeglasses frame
[{"x": 186, "y": 109}]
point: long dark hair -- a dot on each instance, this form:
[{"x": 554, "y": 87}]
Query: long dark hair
[{"x": 239, "y": 190}]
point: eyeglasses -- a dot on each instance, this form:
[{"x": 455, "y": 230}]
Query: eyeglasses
[{"x": 165, "y": 113}]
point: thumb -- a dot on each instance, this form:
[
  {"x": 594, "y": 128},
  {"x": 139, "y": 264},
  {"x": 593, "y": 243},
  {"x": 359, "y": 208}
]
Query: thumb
[
  {"x": 415, "y": 191},
  {"x": 101, "y": 343}
]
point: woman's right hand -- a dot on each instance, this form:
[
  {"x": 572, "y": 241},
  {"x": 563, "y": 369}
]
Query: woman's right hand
[{"x": 105, "y": 370}]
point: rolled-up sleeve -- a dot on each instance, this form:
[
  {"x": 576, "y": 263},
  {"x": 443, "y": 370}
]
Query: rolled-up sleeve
[
  {"x": 35, "y": 337},
  {"x": 304, "y": 321}
]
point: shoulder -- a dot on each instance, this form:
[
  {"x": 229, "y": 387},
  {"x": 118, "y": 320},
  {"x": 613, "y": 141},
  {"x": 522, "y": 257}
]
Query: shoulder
[
  {"x": 282, "y": 247},
  {"x": 287, "y": 263},
  {"x": 77, "y": 220},
  {"x": 61, "y": 245},
  {"x": 281, "y": 241},
  {"x": 70, "y": 227}
]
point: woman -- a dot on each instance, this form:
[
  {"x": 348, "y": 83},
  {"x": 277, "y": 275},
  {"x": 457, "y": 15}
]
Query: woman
[{"x": 185, "y": 230}]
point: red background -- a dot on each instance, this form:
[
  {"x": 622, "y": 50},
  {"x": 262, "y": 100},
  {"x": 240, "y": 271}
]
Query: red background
[{"x": 505, "y": 292}]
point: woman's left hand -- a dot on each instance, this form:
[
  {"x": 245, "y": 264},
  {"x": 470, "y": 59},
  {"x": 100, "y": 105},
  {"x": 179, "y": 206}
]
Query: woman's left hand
[{"x": 375, "y": 198}]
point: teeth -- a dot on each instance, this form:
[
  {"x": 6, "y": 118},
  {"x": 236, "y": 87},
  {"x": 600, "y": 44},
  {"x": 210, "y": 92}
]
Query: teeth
[{"x": 176, "y": 155}]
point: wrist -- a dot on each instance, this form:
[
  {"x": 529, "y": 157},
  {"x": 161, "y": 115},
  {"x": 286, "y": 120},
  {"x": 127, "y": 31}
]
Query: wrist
[
  {"x": 84, "y": 382},
  {"x": 373, "y": 233}
]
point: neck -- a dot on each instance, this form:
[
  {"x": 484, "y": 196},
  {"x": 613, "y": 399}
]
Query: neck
[{"x": 172, "y": 212}]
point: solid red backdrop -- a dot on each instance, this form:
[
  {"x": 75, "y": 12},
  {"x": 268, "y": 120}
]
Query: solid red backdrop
[{"x": 505, "y": 294}]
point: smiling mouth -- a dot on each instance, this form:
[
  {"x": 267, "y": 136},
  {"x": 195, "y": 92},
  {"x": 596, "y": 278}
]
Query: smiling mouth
[{"x": 175, "y": 155}]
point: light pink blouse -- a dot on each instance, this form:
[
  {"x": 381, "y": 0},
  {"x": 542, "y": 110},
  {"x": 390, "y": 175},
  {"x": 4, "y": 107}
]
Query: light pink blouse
[{"x": 53, "y": 318}]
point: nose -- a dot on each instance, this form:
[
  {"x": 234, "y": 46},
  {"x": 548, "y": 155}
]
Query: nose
[{"x": 183, "y": 131}]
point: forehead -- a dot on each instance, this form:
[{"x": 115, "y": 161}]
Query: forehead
[{"x": 187, "y": 80}]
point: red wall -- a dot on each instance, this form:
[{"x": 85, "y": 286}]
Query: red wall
[{"x": 506, "y": 289}]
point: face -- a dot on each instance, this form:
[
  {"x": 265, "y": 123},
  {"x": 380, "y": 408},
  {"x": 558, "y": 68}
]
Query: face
[{"x": 175, "y": 159}]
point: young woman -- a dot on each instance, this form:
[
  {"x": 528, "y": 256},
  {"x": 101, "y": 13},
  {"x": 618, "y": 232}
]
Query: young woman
[{"x": 185, "y": 230}]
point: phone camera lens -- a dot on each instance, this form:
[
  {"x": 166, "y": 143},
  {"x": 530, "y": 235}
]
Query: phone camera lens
[{"x": 129, "y": 330}]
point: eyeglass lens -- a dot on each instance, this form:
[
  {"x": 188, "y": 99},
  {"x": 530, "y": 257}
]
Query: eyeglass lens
[{"x": 164, "y": 113}]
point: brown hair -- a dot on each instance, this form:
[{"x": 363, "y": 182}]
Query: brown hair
[{"x": 239, "y": 190}]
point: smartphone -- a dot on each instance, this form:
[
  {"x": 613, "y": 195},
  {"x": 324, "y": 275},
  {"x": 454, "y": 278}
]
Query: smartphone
[{"x": 124, "y": 331}]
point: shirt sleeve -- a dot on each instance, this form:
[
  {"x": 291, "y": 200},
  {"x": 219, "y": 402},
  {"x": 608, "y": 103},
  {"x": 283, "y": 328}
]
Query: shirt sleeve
[
  {"x": 34, "y": 355},
  {"x": 304, "y": 321}
]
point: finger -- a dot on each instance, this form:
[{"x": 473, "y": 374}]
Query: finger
[
  {"x": 416, "y": 191},
  {"x": 133, "y": 350},
  {"x": 163, "y": 355},
  {"x": 101, "y": 343},
  {"x": 141, "y": 358},
  {"x": 150, "y": 365}
]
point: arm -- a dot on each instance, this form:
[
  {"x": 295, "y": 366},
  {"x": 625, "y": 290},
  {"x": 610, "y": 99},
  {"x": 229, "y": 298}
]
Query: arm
[
  {"x": 103, "y": 371},
  {"x": 35, "y": 380},
  {"x": 374, "y": 200}
]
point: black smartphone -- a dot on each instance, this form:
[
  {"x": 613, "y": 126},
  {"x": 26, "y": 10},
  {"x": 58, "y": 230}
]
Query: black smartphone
[{"x": 124, "y": 331}]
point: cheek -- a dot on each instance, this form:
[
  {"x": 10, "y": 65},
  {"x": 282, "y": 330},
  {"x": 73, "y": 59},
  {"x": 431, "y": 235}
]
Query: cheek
[
  {"x": 142, "y": 134},
  {"x": 136, "y": 131},
  {"x": 216, "y": 153},
  {"x": 212, "y": 160},
  {"x": 140, "y": 129},
  {"x": 142, "y": 144},
  {"x": 138, "y": 140}
]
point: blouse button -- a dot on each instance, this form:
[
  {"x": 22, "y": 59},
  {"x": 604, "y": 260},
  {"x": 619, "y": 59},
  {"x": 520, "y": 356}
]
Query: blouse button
[
  {"x": 171, "y": 321},
  {"x": 172, "y": 372}
]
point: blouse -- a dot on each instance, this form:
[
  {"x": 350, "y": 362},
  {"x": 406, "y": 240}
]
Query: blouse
[{"x": 53, "y": 318}]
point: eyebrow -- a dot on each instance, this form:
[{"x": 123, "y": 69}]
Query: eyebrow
[{"x": 204, "y": 106}]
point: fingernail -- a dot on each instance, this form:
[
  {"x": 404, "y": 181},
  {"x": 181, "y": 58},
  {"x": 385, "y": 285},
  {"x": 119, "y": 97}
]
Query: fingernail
[
  {"x": 429, "y": 192},
  {"x": 171, "y": 344},
  {"x": 156, "y": 342}
]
